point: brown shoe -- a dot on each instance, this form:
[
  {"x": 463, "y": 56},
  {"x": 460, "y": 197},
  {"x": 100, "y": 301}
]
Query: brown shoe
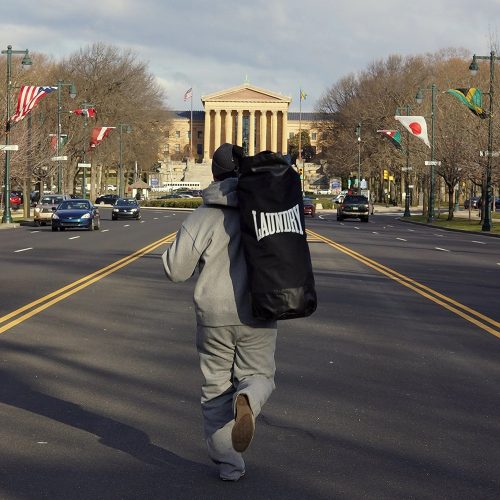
[{"x": 244, "y": 425}]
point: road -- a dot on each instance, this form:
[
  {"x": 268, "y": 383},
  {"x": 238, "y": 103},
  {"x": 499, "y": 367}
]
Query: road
[{"x": 390, "y": 390}]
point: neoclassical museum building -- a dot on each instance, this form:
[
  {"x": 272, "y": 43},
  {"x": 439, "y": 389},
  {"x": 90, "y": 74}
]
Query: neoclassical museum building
[{"x": 252, "y": 117}]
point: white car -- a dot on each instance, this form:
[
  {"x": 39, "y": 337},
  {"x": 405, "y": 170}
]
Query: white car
[{"x": 45, "y": 207}]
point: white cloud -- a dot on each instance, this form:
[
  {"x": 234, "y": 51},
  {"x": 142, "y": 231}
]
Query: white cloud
[{"x": 280, "y": 44}]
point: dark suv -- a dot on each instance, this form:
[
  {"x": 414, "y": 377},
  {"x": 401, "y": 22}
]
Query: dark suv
[{"x": 354, "y": 206}]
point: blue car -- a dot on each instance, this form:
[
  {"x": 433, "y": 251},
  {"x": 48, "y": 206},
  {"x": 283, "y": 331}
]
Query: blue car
[{"x": 76, "y": 213}]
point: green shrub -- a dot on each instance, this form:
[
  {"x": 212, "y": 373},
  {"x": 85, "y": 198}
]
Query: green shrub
[
  {"x": 326, "y": 202},
  {"x": 174, "y": 203}
]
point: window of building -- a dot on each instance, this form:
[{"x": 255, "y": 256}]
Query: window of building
[
  {"x": 177, "y": 148},
  {"x": 291, "y": 135},
  {"x": 178, "y": 134},
  {"x": 200, "y": 134},
  {"x": 199, "y": 149},
  {"x": 314, "y": 136},
  {"x": 166, "y": 149}
]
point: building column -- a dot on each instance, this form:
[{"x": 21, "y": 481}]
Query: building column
[
  {"x": 274, "y": 131},
  {"x": 229, "y": 126},
  {"x": 217, "y": 126},
  {"x": 284, "y": 134},
  {"x": 262, "y": 131},
  {"x": 239, "y": 131},
  {"x": 251, "y": 134},
  {"x": 206, "y": 137}
]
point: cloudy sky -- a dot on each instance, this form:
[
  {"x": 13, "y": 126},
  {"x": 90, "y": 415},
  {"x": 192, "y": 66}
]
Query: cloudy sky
[{"x": 281, "y": 45}]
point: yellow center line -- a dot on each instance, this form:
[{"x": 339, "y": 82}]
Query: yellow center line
[
  {"x": 64, "y": 292},
  {"x": 484, "y": 322}
]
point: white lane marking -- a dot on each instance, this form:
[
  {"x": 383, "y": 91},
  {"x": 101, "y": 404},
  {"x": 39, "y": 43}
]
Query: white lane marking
[
  {"x": 440, "y": 235},
  {"x": 143, "y": 221},
  {"x": 155, "y": 218},
  {"x": 441, "y": 249},
  {"x": 498, "y": 263},
  {"x": 478, "y": 242},
  {"x": 401, "y": 239},
  {"x": 33, "y": 232},
  {"x": 356, "y": 227},
  {"x": 126, "y": 225},
  {"x": 23, "y": 249},
  {"x": 73, "y": 238},
  {"x": 388, "y": 225},
  {"x": 374, "y": 232},
  {"x": 166, "y": 216},
  {"x": 104, "y": 230},
  {"x": 412, "y": 230}
]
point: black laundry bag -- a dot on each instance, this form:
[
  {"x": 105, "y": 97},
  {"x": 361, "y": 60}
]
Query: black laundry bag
[{"x": 274, "y": 238}]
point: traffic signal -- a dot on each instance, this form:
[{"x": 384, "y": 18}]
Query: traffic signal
[{"x": 386, "y": 174}]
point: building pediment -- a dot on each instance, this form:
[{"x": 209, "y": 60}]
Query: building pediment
[{"x": 246, "y": 93}]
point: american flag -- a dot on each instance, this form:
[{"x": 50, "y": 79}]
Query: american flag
[
  {"x": 98, "y": 135},
  {"x": 188, "y": 94},
  {"x": 28, "y": 98}
]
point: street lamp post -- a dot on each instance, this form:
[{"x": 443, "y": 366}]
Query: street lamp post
[
  {"x": 358, "y": 135},
  {"x": 26, "y": 63},
  {"x": 85, "y": 105},
  {"x": 419, "y": 98},
  {"x": 72, "y": 94},
  {"x": 488, "y": 195},
  {"x": 407, "y": 212},
  {"x": 121, "y": 181}
]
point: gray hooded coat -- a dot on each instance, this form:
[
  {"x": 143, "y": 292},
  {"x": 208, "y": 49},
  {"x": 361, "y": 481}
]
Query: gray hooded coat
[{"x": 209, "y": 240}]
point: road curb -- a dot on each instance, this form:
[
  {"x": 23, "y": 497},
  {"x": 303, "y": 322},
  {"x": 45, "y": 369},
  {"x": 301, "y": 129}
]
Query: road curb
[{"x": 491, "y": 235}]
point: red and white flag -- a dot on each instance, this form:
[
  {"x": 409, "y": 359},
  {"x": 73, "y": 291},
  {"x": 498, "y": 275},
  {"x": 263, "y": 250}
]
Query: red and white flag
[
  {"x": 188, "y": 94},
  {"x": 87, "y": 112},
  {"x": 98, "y": 135},
  {"x": 416, "y": 125},
  {"x": 27, "y": 99}
]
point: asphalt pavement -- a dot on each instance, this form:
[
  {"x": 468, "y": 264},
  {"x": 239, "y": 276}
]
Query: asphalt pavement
[{"x": 389, "y": 390}]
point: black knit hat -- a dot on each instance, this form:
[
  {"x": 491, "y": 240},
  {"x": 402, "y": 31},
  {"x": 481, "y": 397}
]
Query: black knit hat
[{"x": 225, "y": 161}]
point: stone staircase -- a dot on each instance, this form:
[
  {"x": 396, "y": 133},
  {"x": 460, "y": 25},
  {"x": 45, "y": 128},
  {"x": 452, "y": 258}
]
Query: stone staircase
[{"x": 198, "y": 172}]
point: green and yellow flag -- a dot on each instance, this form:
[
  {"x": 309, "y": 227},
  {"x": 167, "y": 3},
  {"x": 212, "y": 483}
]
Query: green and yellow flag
[{"x": 472, "y": 98}]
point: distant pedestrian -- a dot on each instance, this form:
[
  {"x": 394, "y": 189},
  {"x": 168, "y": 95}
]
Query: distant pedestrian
[{"x": 236, "y": 351}]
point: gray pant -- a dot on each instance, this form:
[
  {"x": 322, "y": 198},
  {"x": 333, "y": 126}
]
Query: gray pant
[{"x": 233, "y": 360}]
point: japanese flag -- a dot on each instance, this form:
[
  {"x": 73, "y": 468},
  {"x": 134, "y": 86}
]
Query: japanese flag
[{"x": 416, "y": 126}]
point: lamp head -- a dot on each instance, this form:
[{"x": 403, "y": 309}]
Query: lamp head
[
  {"x": 26, "y": 62},
  {"x": 473, "y": 68},
  {"x": 72, "y": 91},
  {"x": 358, "y": 131},
  {"x": 419, "y": 97}
]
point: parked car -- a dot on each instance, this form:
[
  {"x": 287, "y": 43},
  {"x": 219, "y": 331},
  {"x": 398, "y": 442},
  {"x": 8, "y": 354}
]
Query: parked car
[
  {"x": 106, "y": 199},
  {"x": 497, "y": 203},
  {"x": 44, "y": 208},
  {"x": 354, "y": 206},
  {"x": 473, "y": 202},
  {"x": 15, "y": 200},
  {"x": 75, "y": 214},
  {"x": 309, "y": 207},
  {"x": 126, "y": 208}
]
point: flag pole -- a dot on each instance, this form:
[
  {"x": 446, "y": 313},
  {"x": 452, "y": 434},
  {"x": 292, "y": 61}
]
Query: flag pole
[
  {"x": 300, "y": 125},
  {"x": 191, "y": 129}
]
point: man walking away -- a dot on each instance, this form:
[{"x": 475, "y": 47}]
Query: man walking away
[{"x": 236, "y": 351}]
